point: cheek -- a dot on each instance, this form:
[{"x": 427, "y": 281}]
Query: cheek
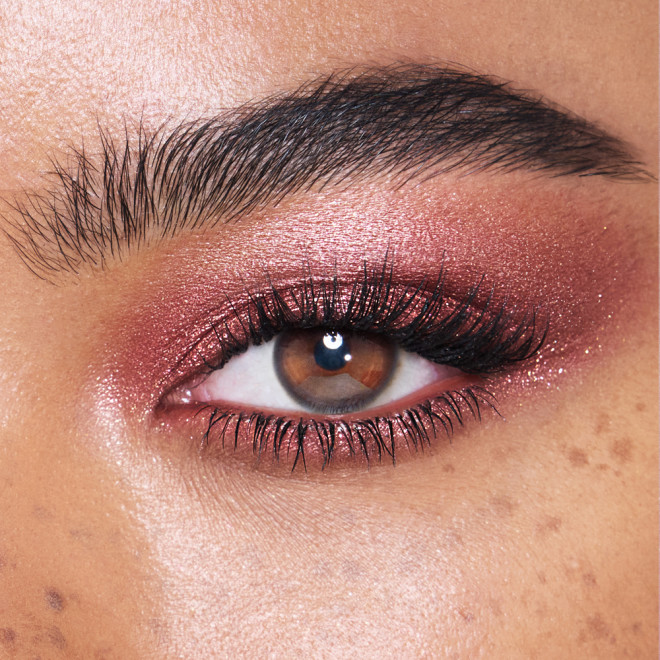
[{"x": 70, "y": 549}]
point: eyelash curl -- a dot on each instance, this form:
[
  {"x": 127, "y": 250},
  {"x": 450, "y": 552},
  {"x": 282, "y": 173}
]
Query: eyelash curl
[{"x": 472, "y": 332}]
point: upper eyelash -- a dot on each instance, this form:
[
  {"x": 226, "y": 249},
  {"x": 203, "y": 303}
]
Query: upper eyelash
[{"x": 476, "y": 338}]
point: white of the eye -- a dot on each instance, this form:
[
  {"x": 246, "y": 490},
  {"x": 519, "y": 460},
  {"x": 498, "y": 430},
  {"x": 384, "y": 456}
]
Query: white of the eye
[{"x": 249, "y": 380}]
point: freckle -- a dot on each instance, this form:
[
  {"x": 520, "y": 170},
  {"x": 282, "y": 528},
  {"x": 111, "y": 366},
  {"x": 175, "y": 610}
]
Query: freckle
[
  {"x": 466, "y": 615},
  {"x": 502, "y": 506},
  {"x": 578, "y": 458},
  {"x": 597, "y": 627},
  {"x": 495, "y": 607},
  {"x": 42, "y": 513},
  {"x": 80, "y": 534},
  {"x": 541, "y": 610},
  {"x": 542, "y": 578},
  {"x": 352, "y": 570},
  {"x": 604, "y": 467},
  {"x": 55, "y": 600},
  {"x": 589, "y": 579},
  {"x": 640, "y": 407},
  {"x": 56, "y": 638},
  {"x": 7, "y": 636},
  {"x": 453, "y": 539},
  {"x": 603, "y": 424},
  {"x": 549, "y": 524},
  {"x": 448, "y": 468},
  {"x": 348, "y": 517},
  {"x": 637, "y": 627},
  {"x": 621, "y": 450}
]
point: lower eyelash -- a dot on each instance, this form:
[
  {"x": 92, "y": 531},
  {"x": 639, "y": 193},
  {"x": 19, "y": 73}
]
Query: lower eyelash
[{"x": 379, "y": 439}]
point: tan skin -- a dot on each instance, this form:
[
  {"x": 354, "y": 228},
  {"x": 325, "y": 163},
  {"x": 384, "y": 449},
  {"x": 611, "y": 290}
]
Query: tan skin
[{"x": 534, "y": 537}]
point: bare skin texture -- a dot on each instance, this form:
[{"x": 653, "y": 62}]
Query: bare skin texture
[{"x": 529, "y": 537}]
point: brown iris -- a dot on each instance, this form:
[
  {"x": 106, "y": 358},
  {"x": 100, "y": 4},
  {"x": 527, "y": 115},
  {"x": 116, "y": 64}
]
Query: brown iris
[{"x": 333, "y": 372}]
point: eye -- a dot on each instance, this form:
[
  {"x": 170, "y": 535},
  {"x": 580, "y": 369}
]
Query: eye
[
  {"x": 330, "y": 371},
  {"x": 319, "y": 371}
]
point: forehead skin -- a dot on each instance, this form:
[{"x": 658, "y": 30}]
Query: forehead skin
[{"x": 107, "y": 552}]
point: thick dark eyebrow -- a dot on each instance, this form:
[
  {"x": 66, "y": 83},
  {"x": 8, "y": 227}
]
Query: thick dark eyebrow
[{"x": 405, "y": 122}]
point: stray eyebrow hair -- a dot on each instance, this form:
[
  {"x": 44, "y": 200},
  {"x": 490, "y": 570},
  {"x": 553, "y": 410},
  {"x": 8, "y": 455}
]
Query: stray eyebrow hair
[{"x": 412, "y": 121}]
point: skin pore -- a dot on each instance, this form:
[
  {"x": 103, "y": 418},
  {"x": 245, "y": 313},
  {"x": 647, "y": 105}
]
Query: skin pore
[{"x": 532, "y": 536}]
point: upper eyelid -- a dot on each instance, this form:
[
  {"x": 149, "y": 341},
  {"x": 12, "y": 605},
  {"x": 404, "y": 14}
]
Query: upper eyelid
[
  {"x": 509, "y": 334},
  {"x": 428, "y": 119}
]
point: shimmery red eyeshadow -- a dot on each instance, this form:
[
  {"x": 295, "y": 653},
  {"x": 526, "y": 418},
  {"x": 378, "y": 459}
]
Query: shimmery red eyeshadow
[{"x": 549, "y": 250}]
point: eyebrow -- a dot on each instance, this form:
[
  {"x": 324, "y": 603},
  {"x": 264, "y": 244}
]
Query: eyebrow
[{"x": 407, "y": 122}]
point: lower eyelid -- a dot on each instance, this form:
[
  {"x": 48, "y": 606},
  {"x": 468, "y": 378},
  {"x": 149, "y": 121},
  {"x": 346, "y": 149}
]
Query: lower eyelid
[{"x": 271, "y": 440}]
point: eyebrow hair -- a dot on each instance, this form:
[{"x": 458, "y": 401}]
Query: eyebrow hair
[{"x": 408, "y": 121}]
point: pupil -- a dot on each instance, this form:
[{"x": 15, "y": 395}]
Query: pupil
[{"x": 332, "y": 352}]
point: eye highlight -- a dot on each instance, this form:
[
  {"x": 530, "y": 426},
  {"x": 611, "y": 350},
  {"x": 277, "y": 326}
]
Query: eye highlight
[{"x": 368, "y": 366}]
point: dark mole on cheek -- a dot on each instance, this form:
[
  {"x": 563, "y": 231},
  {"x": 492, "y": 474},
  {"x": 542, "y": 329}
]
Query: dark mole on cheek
[
  {"x": 577, "y": 457},
  {"x": 54, "y": 600}
]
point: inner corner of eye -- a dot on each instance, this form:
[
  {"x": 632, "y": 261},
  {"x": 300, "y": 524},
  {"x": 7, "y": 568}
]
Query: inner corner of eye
[{"x": 322, "y": 371}]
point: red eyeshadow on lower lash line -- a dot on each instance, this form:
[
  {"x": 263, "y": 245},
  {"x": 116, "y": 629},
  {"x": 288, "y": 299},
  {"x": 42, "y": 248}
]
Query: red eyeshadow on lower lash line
[{"x": 269, "y": 440}]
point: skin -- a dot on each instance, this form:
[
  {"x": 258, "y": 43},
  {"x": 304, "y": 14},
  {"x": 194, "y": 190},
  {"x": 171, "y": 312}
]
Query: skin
[{"x": 534, "y": 537}]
